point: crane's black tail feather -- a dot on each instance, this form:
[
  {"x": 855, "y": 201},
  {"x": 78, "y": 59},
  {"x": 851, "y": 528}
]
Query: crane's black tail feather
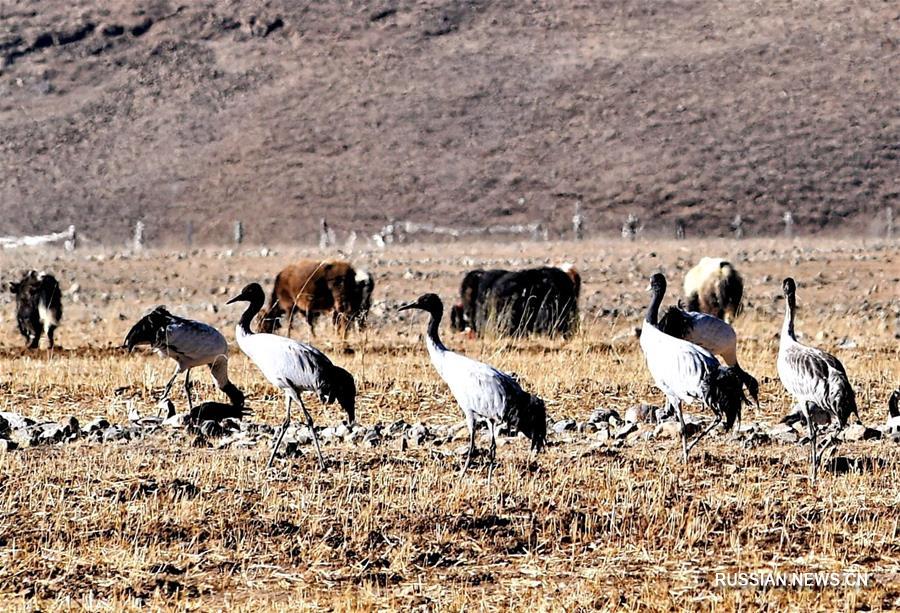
[{"x": 529, "y": 416}]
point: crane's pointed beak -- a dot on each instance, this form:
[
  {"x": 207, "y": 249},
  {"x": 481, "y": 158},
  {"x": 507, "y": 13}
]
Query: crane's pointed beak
[
  {"x": 408, "y": 305},
  {"x": 237, "y": 298}
]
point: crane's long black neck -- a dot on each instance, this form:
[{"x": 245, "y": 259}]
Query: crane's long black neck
[
  {"x": 434, "y": 324},
  {"x": 790, "y": 309},
  {"x": 652, "y": 315},
  {"x": 255, "y": 306}
]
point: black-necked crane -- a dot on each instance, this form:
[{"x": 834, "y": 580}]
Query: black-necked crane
[
  {"x": 817, "y": 380},
  {"x": 190, "y": 343},
  {"x": 484, "y": 393},
  {"x": 713, "y": 334},
  {"x": 687, "y": 373},
  {"x": 293, "y": 367}
]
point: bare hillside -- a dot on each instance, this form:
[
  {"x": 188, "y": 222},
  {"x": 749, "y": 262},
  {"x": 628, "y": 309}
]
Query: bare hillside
[{"x": 464, "y": 112}]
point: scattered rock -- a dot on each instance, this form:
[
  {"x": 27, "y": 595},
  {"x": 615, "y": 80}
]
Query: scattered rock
[
  {"x": 70, "y": 426},
  {"x": 783, "y": 433},
  {"x": 859, "y": 432},
  {"x": 397, "y": 428},
  {"x": 668, "y": 429},
  {"x": 211, "y": 429},
  {"x": 565, "y": 425},
  {"x": 16, "y": 421},
  {"x": 46, "y": 434},
  {"x": 625, "y": 430},
  {"x": 98, "y": 424},
  {"x": 417, "y": 434},
  {"x": 113, "y": 433},
  {"x": 602, "y": 415},
  {"x": 372, "y": 438},
  {"x": 642, "y": 414}
]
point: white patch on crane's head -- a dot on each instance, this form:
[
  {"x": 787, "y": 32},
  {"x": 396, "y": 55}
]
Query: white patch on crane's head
[
  {"x": 362, "y": 276},
  {"x": 566, "y": 266}
]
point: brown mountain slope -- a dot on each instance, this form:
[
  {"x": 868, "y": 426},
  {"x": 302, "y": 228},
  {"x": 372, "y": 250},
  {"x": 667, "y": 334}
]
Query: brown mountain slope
[{"x": 278, "y": 113}]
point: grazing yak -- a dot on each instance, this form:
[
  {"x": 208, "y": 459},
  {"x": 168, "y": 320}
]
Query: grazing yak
[
  {"x": 313, "y": 287},
  {"x": 38, "y": 306},
  {"x": 713, "y": 286},
  {"x": 533, "y": 301}
]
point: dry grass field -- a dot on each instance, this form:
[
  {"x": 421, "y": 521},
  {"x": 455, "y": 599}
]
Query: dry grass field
[{"x": 588, "y": 525}]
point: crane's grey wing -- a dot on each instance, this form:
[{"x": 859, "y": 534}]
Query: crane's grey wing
[
  {"x": 803, "y": 372},
  {"x": 711, "y": 333},
  {"x": 191, "y": 340},
  {"x": 478, "y": 387},
  {"x": 678, "y": 367},
  {"x": 307, "y": 368}
]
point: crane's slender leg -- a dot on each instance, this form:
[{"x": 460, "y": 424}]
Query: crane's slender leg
[
  {"x": 493, "y": 451},
  {"x": 705, "y": 432},
  {"x": 684, "y": 446},
  {"x": 168, "y": 388},
  {"x": 470, "y": 422},
  {"x": 284, "y": 427},
  {"x": 187, "y": 389},
  {"x": 312, "y": 429},
  {"x": 830, "y": 442},
  {"x": 813, "y": 459}
]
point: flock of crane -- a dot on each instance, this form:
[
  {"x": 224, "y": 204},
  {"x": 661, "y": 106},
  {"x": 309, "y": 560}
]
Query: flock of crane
[{"x": 679, "y": 350}]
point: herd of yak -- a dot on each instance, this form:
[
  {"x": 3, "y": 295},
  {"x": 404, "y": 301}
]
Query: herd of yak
[{"x": 541, "y": 300}]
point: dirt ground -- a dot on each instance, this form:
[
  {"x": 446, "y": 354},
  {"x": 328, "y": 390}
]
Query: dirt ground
[
  {"x": 160, "y": 523},
  {"x": 461, "y": 112}
]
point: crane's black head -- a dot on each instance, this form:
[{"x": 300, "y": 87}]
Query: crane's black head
[
  {"x": 533, "y": 422},
  {"x": 790, "y": 292},
  {"x": 727, "y": 395},
  {"x": 252, "y": 293},
  {"x": 426, "y": 302},
  {"x": 657, "y": 283},
  {"x": 144, "y": 332},
  {"x": 789, "y": 287},
  {"x": 342, "y": 387}
]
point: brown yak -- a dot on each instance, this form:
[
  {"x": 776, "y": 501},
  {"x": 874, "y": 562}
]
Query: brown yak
[{"x": 312, "y": 287}]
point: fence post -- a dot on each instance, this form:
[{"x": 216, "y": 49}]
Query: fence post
[
  {"x": 323, "y": 234},
  {"x": 190, "y": 233},
  {"x": 139, "y": 236},
  {"x": 737, "y": 226},
  {"x": 238, "y": 232},
  {"x": 679, "y": 229},
  {"x": 578, "y": 222},
  {"x": 889, "y": 229},
  {"x": 72, "y": 242},
  {"x": 630, "y": 227},
  {"x": 788, "y": 224},
  {"x": 351, "y": 242}
]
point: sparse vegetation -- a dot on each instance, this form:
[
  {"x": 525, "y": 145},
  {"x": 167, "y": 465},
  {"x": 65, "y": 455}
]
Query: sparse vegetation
[{"x": 590, "y": 524}]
